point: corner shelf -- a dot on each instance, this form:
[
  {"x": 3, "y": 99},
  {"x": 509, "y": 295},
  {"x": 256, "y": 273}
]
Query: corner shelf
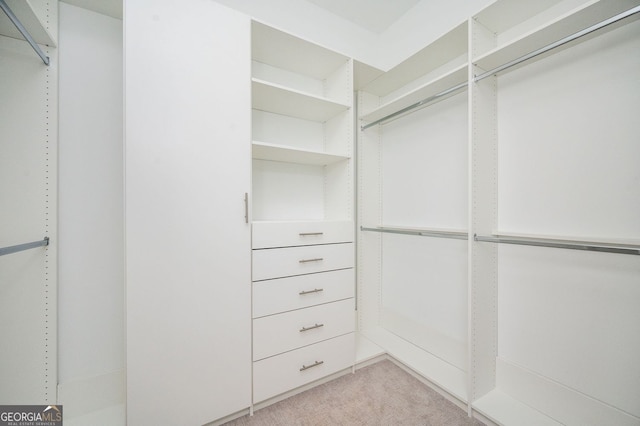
[
  {"x": 274, "y": 152},
  {"x": 26, "y": 14},
  {"x": 451, "y": 79}
]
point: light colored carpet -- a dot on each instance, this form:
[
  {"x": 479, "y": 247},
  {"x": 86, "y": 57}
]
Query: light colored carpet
[{"x": 380, "y": 394}]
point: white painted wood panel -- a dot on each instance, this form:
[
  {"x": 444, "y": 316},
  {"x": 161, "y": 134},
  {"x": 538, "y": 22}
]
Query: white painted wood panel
[
  {"x": 188, "y": 246},
  {"x": 283, "y": 332},
  {"x": 286, "y": 294},
  {"x": 275, "y": 375},
  {"x": 424, "y": 167},
  {"x": 283, "y": 234},
  {"x": 283, "y": 262},
  {"x": 28, "y": 212}
]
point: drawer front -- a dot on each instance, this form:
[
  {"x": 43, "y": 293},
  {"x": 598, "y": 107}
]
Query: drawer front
[
  {"x": 279, "y": 374},
  {"x": 287, "y": 234},
  {"x": 284, "y": 262},
  {"x": 279, "y": 333},
  {"x": 286, "y": 294}
]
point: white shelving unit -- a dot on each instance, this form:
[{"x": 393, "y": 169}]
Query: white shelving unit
[
  {"x": 303, "y": 203},
  {"x": 551, "y": 327},
  {"x": 302, "y": 129},
  {"x": 412, "y": 281},
  {"x": 29, "y": 198}
]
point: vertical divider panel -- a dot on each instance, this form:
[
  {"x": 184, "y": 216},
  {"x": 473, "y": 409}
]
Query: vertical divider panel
[
  {"x": 483, "y": 203},
  {"x": 369, "y": 213}
]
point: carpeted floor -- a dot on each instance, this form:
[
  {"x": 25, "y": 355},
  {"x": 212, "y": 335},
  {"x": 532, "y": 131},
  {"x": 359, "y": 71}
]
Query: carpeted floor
[{"x": 380, "y": 394}]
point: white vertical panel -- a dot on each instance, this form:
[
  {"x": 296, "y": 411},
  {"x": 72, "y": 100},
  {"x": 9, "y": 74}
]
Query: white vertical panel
[
  {"x": 569, "y": 141},
  {"x": 91, "y": 196},
  {"x": 187, "y": 83},
  {"x": 28, "y": 212},
  {"x": 424, "y": 174}
]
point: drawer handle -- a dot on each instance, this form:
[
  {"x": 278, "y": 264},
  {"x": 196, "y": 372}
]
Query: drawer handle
[
  {"x": 303, "y": 329},
  {"x": 317, "y": 259},
  {"x": 307, "y": 234},
  {"x": 315, "y": 290},
  {"x": 315, "y": 364}
]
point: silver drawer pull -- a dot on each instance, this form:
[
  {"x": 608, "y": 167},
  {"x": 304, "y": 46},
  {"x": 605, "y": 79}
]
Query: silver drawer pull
[
  {"x": 315, "y": 364},
  {"x": 303, "y": 329},
  {"x": 317, "y": 259},
  {"x": 307, "y": 234},
  {"x": 315, "y": 290}
]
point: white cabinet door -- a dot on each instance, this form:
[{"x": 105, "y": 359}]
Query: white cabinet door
[{"x": 187, "y": 73}]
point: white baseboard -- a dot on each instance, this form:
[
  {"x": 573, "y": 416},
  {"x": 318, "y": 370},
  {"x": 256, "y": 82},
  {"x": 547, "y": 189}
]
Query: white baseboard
[
  {"x": 566, "y": 405},
  {"x": 80, "y": 397}
]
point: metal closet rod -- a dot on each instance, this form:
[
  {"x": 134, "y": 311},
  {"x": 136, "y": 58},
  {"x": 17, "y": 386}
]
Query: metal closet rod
[
  {"x": 559, "y": 43},
  {"x": 423, "y": 102},
  {"x": 7, "y": 10},
  {"x": 562, "y": 244},
  {"x": 510, "y": 64},
  {"x": 456, "y": 235},
  {"x": 25, "y": 246}
]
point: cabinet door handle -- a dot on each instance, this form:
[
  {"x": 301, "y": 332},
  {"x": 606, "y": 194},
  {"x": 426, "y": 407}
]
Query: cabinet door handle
[
  {"x": 315, "y": 364},
  {"x": 315, "y": 290},
  {"x": 316, "y": 259},
  {"x": 246, "y": 207},
  {"x": 306, "y": 234},
  {"x": 303, "y": 329}
]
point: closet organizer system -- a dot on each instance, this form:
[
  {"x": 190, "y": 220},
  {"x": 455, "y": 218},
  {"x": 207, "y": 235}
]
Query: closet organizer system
[
  {"x": 28, "y": 185},
  {"x": 498, "y": 213},
  {"x": 302, "y": 212}
]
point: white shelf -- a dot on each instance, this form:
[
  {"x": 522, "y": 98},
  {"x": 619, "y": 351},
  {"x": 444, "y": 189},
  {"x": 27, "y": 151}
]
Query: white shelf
[
  {"x": 444, "y": 50},
  {"x": 273, "y": 152},
  {"x": 506, "y": 410},
  {"x": 26, "y": 14},
  {"x": 279, "y": 49},
  {"x": 282, "y": 100},
  {"x": 434, "y": 369},
  {"x": 445, "y": 82},
  {"x": 566, "y": 24}
]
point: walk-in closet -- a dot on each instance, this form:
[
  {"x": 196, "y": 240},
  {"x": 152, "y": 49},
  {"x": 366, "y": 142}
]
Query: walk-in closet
[{"x": 209, "y": 207}]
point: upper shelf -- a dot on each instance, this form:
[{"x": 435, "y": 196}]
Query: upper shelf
[
  {"x": 282, "y": 50},
  {"x": 278, "y": 99},
  {"x": 428, "y": 90},
  {"x": 419, "y": 66},
  {"x": 516, "y": 37},
  {"x": 274, "y": 152},
  {"x": 25, "y": 12}
]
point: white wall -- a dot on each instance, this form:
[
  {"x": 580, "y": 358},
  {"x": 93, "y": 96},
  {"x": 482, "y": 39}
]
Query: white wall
[{"x": 91, "y": 270}]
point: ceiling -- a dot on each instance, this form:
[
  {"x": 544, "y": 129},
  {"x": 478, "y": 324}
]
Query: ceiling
[{"x": 373, "y": 15}]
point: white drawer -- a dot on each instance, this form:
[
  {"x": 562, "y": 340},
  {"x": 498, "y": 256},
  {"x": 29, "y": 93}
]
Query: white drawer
[
  {"x": 286, "y": 294},
  {"x": 279, "y": 374},
  {"x": 287, "y": 234},
  {"x": 285, "y": 262},
  {"x": 279, "y": 333}
]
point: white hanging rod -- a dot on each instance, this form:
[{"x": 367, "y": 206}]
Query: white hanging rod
[
  {"x": 423, "y": 102},
  {"x": 559, "y": 43},
  {"x": 562, "y": 244},
  {"x": 25, "y": 246},
  {"x": 7, "y": 10},
  {"x": 456, "y": 235}
]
